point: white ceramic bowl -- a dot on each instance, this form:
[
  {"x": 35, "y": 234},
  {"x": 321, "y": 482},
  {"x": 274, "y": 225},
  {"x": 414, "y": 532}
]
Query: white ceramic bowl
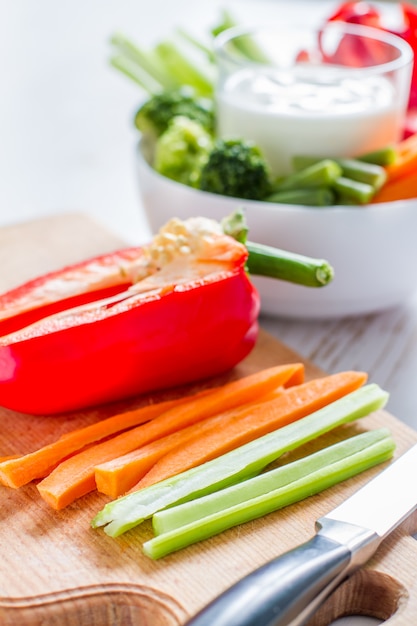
[{"x": 372, "y": 249}]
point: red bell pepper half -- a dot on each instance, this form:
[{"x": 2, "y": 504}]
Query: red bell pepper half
[
  {"x": 141, "y": 319},
  {"x": 119, "y": 325}
]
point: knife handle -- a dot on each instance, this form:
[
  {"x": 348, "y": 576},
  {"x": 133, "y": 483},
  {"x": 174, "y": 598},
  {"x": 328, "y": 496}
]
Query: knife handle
[{"x": 280, "y": 591}]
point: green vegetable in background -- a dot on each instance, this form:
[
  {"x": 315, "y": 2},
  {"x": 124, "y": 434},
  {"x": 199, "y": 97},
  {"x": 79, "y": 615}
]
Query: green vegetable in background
[
  {"x": 353, "y": 191},
  {"x": 178, "y": 74},
  {"x": 383, "y": 156},
  {"x": 236, "y": 168},
  {"x": 166, "y": 66},
  {"x": 179, "y": 86},
  {"x": 307, "y": 196},
  {"x": 320, "y": 173},
  {"x": 244, "y": 45},
  {"x": 184, "y": 71},
  {"x": 182, "y": 150},
  {"x": 178, "y": 60},
  {"x": 153, "y": 117},
  {"x": 355, "y": 169}
]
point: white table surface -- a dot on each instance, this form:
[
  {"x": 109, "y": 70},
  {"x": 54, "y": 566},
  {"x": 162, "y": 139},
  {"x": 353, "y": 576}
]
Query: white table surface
[{"x": 67, "y": 143}]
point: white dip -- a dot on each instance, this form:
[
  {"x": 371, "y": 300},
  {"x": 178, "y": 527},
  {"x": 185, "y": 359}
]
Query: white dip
[{"x": 309, "y": 110}]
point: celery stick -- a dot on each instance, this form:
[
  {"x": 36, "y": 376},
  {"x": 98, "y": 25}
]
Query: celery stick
[
  {"x": 309, "y": 196},
  {"x": 319, "y": 174},
  {"x": 146, "y": 61},
  {"x": 226, "y": 22},
  {"x": 370, "y": 173},
  {"x": 343, "y": 200},
  {"x": 244, "y": 45},
  {"x": 182, "y": 69},
  {"x": 383, "y": 156},
  {"x": 194, "y": 510},
  {"x": 362, "y": 193},
  {"x": 355, "y": 169},
  {"x": 135, "y": 73},
  {"x": 248, "y": 48},
  {"x": 246, "y": 461},
  {"x": 301, "y": 161},
  {"x": 378, "y": 446},
  {"x": 208, "y": 52}
]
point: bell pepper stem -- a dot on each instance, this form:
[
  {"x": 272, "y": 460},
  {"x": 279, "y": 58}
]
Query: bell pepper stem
[
  {"x": 276, "y": 263},
  {"x": 295, "y": 268}
]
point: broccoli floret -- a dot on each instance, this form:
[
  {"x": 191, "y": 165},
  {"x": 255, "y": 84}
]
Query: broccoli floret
[
  {"x": 156, "y": 113},
  {"x": 182, "y": 150},
  {"x": 236, "y": 168}
]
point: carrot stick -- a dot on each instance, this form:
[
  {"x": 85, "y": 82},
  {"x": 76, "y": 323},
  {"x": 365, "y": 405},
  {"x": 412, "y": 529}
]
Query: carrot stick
[
  {"x": 75, "y": 476},
  {"x": 117, "y": 476},
  {"x": 41, "y": 462},
  {"x": 20, "y": 470},
  {"x": 406, "y": 160},
  {"x": 291, "y": 405},
  {"x": 407, "y": 145},
  {"x": 404, "y": 188}
]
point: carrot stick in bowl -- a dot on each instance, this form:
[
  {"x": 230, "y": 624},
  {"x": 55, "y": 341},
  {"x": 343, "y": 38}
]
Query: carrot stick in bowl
[
  {"x": 405, "y": 163},
  {"x": 404, "y": 188}
]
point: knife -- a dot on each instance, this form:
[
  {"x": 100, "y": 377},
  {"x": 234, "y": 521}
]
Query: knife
[{"x": 289, "y": 589}]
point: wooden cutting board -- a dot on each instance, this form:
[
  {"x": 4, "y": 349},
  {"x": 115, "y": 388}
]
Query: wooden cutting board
[{"x": 56, "y": 571}]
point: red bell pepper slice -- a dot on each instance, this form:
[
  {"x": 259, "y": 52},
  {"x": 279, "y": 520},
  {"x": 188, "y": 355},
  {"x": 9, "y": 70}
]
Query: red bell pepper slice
[
  {"x": 366, "y": 14},
  {"x": 352, "y": 51},
  {"x": 409, "y": 33},
  {"x": 191, "y": 318},
  {"x": 356, "y": 52},
  {"x": 357, "y": 12}
]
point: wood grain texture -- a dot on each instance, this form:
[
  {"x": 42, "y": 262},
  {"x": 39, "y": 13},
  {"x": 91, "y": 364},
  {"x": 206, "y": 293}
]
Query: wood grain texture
[{"x": 55, "y": 570}]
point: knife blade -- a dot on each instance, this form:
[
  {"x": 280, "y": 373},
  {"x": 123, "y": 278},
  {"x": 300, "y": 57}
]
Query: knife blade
[{"x": 287, "y": 590}]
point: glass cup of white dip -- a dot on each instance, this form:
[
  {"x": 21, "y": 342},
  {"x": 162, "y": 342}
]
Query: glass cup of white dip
[{"x": 337, "y": 91}]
